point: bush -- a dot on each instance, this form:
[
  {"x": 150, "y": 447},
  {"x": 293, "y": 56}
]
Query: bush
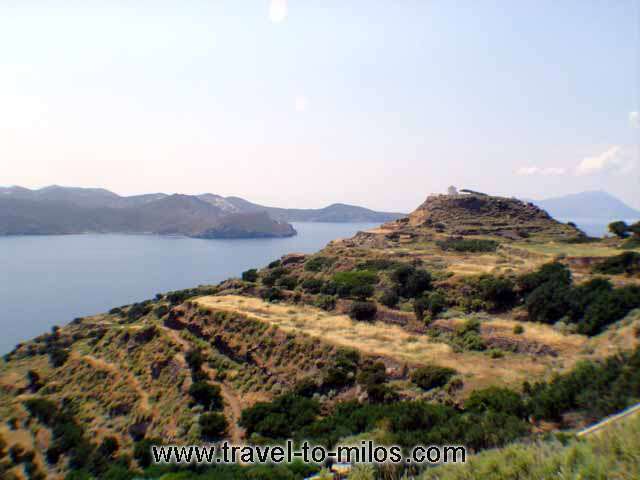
[
  {"x": 281, "y": 418},
  {"x": 58, "y": 356},
  {"x": 272, "y": 294},
  {"x": 411, "y": 282},
  {"x": 317, "y": 264},
  {"x": 619, "y": 229},
  {"x": 627, "y": 262},
  {"x": 518, "y": 330},
  {"x": 142, "y": 451},
  {"x": 213, "y": 426},
  {"x": 468, "y": 245},
  {"x": 362, "y": 292},
  {"x": 346, "y": 282},
  {"x": 325, "y": 302},
  {"x": 550, "y": 272},
  {"x": 288, "y": 282},
  {"x": 498, "y": 293},
  {"x": 549, "y": 302},
  {"x": 467, "y": 336},
  {"x": 378, "y": 264},
  {"x": 274, "y": 264},
  {"x": 431, "y": 376},
  {"x": 389, "y": 298},
  {"x": 341, "y": 372},
  {"x": 497, "y": 399},
  {"x": 250, "y": 275},
  {"x": 272, "y": 277},
  {"x": 433, "y": 303},
  {"x": 312, "y": 285},
  {"x": 608, "y": 308},
  {"x": 363, "y": 310},
  {"x": 207, "y": 395}
]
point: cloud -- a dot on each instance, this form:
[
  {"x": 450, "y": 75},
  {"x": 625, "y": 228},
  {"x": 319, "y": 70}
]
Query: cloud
[
  {"x": 547, "y": 171},
  {"x": 634, "y": 119},
  {"x": 278, "y": 11},
  {"x": 614, "y": 158}
]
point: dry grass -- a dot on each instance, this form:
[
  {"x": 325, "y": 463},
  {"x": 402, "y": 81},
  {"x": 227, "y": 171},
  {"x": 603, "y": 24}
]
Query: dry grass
[{"x": 381, "y": 339}]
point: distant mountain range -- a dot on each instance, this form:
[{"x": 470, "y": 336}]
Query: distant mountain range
[
  {"x": 594, "y": 205},
  {"x": 65, "y": 210}
]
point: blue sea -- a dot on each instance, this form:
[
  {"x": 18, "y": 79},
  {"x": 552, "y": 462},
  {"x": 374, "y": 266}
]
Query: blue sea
[{"x": 49, "y": 280}]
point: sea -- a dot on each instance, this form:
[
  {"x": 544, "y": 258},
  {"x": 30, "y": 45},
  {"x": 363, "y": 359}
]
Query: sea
[{"x": 49, "y": 280}]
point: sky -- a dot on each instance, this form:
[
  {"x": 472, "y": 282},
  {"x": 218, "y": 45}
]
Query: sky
[{"x": 303, "y": 103}]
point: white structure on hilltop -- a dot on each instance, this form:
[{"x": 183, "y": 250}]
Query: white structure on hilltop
[{"x": 452, "y": 190}]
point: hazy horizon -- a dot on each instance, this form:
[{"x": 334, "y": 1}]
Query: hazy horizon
[{"x": 304, "y": 105}]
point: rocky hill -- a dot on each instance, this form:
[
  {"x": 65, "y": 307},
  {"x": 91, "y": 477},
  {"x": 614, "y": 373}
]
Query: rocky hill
[
  {"x": 479, "y": 214},
  {"x": 444, "y": 328}
]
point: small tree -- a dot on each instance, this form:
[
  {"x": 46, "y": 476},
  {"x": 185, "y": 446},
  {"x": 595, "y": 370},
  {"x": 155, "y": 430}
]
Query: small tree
[
  {"x": 619, "y": 229},
  {"x": 431, "y": 376},
  {"x": 207, "y": 395},
  {"x": 250, "y": 275},
  {"x": 363, "y": 311},
  {"x": 213, "y": 426}
]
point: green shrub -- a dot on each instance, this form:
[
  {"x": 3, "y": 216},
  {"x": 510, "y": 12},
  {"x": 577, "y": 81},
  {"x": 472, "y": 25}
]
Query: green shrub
[
  {"x": 363, "y": 310},
  {"x": 497, "y": 293},
  {"x": 389, "y": 298},
  {"x": 378, "y": 264},
  {"x": 142, "y": 451},
  {"x": 468, "y": 245},
  {"x": 274, "y": 264},
  {"x": 281, "y": 418},
  {"x": 518, "y": 330},
  {"x": 213, "y": 426},
  {"x": 312, "y": 285},
  {"x": 288, "y": 282},
  {"x": 317, "y": 264},
  {"x": 627, "y": 262},
  {"x": 433, "y": 303},
  {"x": 410, "y": 281},
  {"x": 497, "y": 399},
  {"x": 619, "y": 229},
  {"x": 271, "y": 294},
  {"x": 325, "y": 302},
  {"x": 250, "y": 275},
  {"x": 58, "y": 356},
  {"x": 362, "y": 292},
  {"x": 341, "y": 372},
  {"x": 431, "y": 376},
  {"x": 272, "y": 277},
  {"x": 550, "y": 272},
  {"x": 346, "y": 282},
  {"x": 207, "y": 395}
]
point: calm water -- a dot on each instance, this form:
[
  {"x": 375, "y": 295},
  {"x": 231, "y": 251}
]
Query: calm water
[{"x": 49, "y": 280}]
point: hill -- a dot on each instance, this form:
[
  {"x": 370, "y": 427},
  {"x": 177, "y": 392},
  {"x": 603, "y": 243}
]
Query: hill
[
  {"x": 101, "y": 198},
  {"x": 58, "y": 210},
  {"x": 477, "y": 321},
  {"x": 597, "y": 205}
]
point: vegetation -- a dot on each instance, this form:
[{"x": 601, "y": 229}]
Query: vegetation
[
  {"x": 250, "y": 275},
  {"x": 468, "y": 245},
  {"x": 363, "y": 310},
  {"x": 354, "y": 282},
  {"x": 318, "y": 263},
  {"x": 627, "y": 262},
  {"x": 431, "y": 376},
  {"x": 611, "y": 454},
  {"x": 410, "y": 282},
  {"x": 213, "y": 426},
  {"x": 207, "y": 395}
]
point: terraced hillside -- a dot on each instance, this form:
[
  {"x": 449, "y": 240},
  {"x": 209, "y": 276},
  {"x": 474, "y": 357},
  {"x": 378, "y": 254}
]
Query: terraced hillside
[{"x": 477, "y": 320}]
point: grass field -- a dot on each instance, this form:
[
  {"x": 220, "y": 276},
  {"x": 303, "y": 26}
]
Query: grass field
[{"x": 381, "y": 339}]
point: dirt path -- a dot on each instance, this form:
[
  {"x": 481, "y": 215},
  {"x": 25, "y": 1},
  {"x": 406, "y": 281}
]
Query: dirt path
[{"x": 233, "y": 405}]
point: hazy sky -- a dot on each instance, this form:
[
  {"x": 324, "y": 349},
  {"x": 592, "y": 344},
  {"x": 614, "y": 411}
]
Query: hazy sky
[{"x": 309, "y": 102}]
